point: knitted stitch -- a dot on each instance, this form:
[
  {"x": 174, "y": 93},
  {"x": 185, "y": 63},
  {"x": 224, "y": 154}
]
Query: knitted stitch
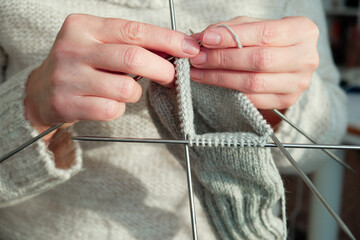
[
  {"x": 185, "y": 103},
  {"x": 238, "y": 186},
  {"x": 134, "y": 191}
]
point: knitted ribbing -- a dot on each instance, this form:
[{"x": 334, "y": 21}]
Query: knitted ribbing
[
  {"x": 123, "y": 188},
  {"x": 237, "y": 185},
  {"x": 186, "y": 113}
]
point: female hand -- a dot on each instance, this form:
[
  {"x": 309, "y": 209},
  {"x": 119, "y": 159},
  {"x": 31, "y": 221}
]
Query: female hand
[
  {"x": 274, "y": 66},
  {"x": 84, "y": 76}
]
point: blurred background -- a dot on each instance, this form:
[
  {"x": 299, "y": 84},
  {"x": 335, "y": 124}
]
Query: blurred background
[{"x": 307, "y": 218}]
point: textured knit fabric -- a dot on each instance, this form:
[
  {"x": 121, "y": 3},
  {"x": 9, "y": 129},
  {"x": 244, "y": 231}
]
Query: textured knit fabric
[
  {"x": 127, "y": 191},
  {"x": 237, "y": 185}
]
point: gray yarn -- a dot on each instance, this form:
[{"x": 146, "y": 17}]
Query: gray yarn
[
  {"x": 235, "y": 36},
  {"x": 239, "y": 45},
  {"x": 237, "y": 186}
]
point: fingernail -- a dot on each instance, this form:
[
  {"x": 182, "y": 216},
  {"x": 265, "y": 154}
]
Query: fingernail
[
  {"x": 190, "y": 46},
  {"x": 199, "y": 59},
  {"x": 211, "y": 38},
  {"x": 196, "y": 74}
]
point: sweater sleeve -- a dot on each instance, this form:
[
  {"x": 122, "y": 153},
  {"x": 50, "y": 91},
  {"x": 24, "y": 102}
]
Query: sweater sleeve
[
  {"x": 321, "y": 110},
  {"x": 32, "y": 170}
]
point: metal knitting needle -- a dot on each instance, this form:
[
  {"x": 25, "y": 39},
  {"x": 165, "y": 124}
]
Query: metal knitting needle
[
  {"x": 51, "y": 129},
  {"x": 174, "y": 141},
  {"x": 312, "y": 187},
  {"x": 28, "y": 143},
  {"x": 187, "y": 156},
  {"x": 333, "y": 156}
]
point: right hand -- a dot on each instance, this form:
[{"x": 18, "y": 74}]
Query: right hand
[{"x": 84, "y": 76}]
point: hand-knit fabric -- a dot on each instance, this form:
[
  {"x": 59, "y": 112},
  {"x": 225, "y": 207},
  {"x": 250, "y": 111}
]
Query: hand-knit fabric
[
  {"x": 248, "y": 185},
  {"x": 129, "y": 191}
]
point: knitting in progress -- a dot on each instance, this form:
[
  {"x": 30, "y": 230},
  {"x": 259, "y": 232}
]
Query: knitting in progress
[
  {"x": 240, "y": 201},
  {"x": 138, "y": 191}
]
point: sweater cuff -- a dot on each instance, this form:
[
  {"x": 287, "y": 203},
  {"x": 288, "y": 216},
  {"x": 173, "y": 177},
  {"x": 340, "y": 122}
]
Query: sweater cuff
[
  {"x": 32, "y": 170},
  {"x": 321, "y": 113}
]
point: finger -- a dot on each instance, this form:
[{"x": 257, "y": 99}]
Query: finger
[
  {"x": 284, "y": 32},
  {"x": 196, "y": 36},
  {"x": 132, "y": 59},
  {"x": 97, "y": 109},
  {"x": 273, "y": 101},
  {"x": 251, "y": 82},
  {"x": 240, "y": 20},
  {"x": 255, "y": 59},
  {"x": 233, "y": 21},
  {"x": 115, "y": 30},
  {"x": 113, "y": 86}
]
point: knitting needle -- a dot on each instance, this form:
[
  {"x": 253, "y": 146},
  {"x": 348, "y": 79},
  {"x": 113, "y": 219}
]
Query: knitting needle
[
  {"x": 333, "y": 156},
  {"x": 187, "y": 156},
  {"x": 190, "y": 192},
  {"x": 49, "y": 130},
  {"x": 28, "y": 143},
  {"x": 174, "y": 141},
  {"x": 312, "y": 187}
]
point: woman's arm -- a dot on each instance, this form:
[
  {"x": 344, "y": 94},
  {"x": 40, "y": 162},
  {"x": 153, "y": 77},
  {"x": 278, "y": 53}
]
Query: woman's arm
[{"x": 84, "y": 77}]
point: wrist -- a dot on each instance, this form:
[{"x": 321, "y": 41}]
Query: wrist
[{"x": 32, "y": 114}]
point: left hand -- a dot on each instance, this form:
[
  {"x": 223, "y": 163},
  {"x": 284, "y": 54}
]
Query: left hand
[{"x": 273, "y": 68}]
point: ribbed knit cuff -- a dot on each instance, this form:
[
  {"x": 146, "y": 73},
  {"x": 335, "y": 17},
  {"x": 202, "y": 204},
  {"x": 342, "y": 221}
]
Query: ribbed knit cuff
[
  {"x": 32, "y": 170},
  {"x": 239, "y": 188},
  {"x": 321, "y": 113}
]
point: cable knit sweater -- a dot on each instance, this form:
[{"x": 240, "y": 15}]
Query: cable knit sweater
[{"x": 128, "y": 191}]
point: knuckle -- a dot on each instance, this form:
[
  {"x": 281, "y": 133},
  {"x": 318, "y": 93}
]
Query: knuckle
[
  {"x": 253, "y": 99},
  {"x": 268, "y": 34},
  {"x": 132, "y": 58},
  {"x": 112, "y": 110},
  {"x": 126, "y": 88},
  {"x": 313, "y": 61},
  {"x": 254, "y": 83},
  {"x": 221, "y": 58},
  {"x": 59, "y": 51},
  {"x": 212, "y": 77},
  {"x": 137, "y": 94},
  {"x": 63, "y": 49},
  {"x": 168, "y": 38},
  {"x": 72, "y": 20},
  {"x": 304, "y": 84},
  {"x": 309, "y": 28},
  {"x": 286, "y": 101},
  {"x": 132, "y": 32},
  {"x": 261, "y": 59},
  {"x": 56, "y": 78},
  {"x": 315, "y": 30},
  {"x": 241, "y": 18},
  {"x": 58, "y": 106},
  {"x": 212, "y": 25},
  {"x": 168, "y": 75}
]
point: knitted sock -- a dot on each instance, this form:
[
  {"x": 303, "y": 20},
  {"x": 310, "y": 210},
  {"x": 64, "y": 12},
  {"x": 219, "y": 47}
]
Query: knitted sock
[{"x": 238, "y": 186}]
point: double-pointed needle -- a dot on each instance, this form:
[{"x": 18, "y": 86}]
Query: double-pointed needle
[
  {"x": 31, "y": 141},
  {"x": 332, "y": 155},
  {"x": 187, "y": 155},
  {"x": 312, "y": 187}
]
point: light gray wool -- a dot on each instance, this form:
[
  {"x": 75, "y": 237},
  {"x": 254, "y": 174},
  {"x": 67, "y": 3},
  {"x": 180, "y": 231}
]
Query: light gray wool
[{"x": 238, "y": 186}]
